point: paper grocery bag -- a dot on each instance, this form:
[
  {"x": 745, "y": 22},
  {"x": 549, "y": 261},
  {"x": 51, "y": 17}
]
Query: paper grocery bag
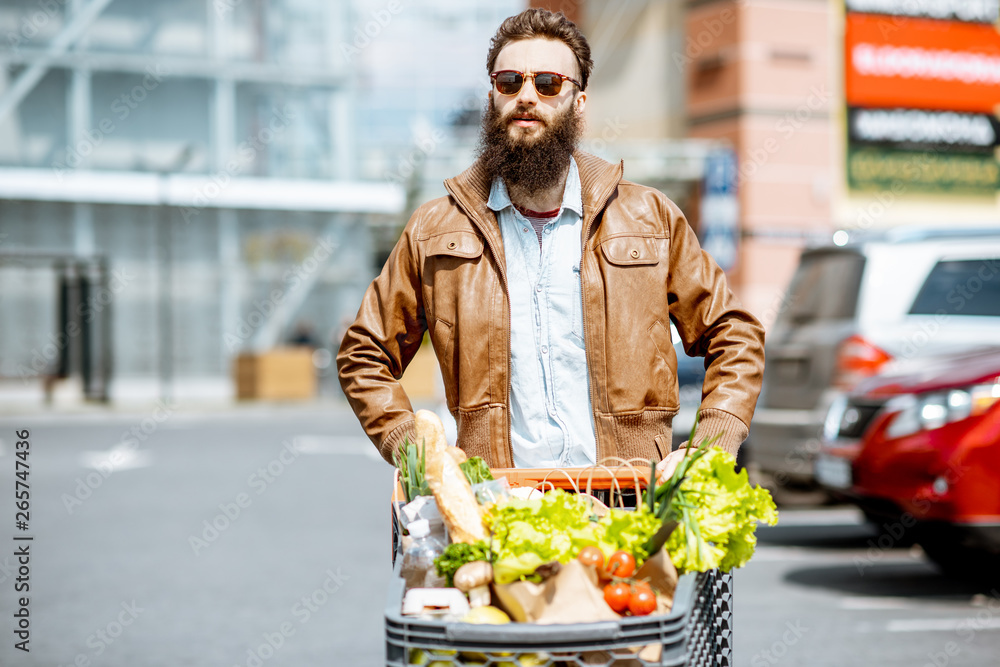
[{"x": 571, "y": 596}]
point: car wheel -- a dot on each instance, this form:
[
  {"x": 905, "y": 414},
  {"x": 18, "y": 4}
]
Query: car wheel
[
  {"x": 892, "y": 527},
  {"x": 960, "y": 561}
]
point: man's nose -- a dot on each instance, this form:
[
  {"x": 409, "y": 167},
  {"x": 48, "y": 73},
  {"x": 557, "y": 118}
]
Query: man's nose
[{"x": 528, "y": 96}]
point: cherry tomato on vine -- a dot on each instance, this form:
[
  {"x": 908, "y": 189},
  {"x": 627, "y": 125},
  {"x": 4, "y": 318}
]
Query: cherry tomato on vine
[
  {"x": 592, "y": 556},
  {"x": 617, "y": 596},
  {"x": 642, "y": 601},
  {"x": 621, "y": 564}
]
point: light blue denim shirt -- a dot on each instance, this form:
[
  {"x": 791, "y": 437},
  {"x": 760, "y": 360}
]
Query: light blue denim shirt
[{"x": 552, "y": 423}]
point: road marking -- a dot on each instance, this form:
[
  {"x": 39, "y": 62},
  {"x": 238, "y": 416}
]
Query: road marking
[
  {"x": 837, "y": 517},
  {"x": 942, "y": 624},
  {"x": 336, "y": 445},
  {"x": 876, "y": 603},
  {"x": 116, "y": 459},
  {"x": 779, "y": 554}
]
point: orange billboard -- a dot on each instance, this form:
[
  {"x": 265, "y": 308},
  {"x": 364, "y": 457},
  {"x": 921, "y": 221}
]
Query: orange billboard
[{"x": 915, "y": 63}]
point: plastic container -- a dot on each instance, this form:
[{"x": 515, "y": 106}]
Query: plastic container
[
  {"x": 698, "y": 631},
  {"x": 417, "y": 567}
]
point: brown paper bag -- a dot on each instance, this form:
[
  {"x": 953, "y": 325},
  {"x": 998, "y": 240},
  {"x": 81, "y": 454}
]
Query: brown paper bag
[
  {"x": 660, "y": 572},
  {"x": 571, "y": 596}
]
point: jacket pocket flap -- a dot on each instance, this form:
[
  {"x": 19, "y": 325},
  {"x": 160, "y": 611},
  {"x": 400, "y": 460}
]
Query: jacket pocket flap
[
  {"x": 455, "y": 244},
  {"x": 630, "y": 250}
]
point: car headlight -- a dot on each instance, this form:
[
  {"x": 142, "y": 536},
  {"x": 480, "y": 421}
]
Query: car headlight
[{"x": 925, "y": 412}]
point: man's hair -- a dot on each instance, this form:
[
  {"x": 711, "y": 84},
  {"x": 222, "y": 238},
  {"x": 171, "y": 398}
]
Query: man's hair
[{"x": 541, "y": 23}]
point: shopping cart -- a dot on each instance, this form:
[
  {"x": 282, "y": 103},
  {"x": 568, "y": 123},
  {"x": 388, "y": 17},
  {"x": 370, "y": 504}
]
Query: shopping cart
[{"x": 697, "y": 632}]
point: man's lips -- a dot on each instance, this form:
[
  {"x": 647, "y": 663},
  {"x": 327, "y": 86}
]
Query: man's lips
[{"x": 525, "y": 121}]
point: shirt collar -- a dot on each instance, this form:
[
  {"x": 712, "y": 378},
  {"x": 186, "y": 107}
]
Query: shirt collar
[{"x": 572, "y": 194}]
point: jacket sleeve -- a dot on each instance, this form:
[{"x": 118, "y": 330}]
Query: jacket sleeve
[
  {"x": 380, "y": 344},
  {"x": 712, "y": 323}
]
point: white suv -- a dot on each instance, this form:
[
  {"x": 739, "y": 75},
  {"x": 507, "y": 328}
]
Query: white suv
[{"x": 865, "y": 305}]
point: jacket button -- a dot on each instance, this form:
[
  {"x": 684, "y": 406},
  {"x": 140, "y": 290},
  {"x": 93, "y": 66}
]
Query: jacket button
[
  {"x": 452, "y": 245},
  {"x": 635, "y": 254}
]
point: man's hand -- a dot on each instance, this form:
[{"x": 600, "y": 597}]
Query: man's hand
[{"x": 666, "y": 467}]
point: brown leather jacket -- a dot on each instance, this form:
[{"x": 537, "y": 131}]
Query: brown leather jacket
[{"x": 641, "y": 265}]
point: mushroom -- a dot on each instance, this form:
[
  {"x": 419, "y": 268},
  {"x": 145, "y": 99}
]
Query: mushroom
[{"x": 474, "y": 578}]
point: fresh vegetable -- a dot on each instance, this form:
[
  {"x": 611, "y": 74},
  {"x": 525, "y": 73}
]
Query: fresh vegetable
[
  {"x": 486, "y": 615},
  {"x": 617, "y": 595},
  {"x": 412, "y": 464},
  {"x": 476, "y": 470},
  {"x": 592, "y": 556},
  {"x": 642, "y": 599},
  {"x": 621, "y": 564},
  {"x": 556, "y": 527},
  {"x": 716, "y": 509},
  {"x": 474, "y": 579},
  {"x": 457, "y": 554}
]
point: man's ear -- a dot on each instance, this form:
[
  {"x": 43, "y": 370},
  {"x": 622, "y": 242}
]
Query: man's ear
[{"x": 580, "y": 102}]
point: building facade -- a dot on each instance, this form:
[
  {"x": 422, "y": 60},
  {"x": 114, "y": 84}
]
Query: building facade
[{"x": 202, "y": 155}]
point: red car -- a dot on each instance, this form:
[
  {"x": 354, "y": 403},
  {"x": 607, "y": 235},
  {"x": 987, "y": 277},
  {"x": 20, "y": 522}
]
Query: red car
[{"x": 919, "y": 452}]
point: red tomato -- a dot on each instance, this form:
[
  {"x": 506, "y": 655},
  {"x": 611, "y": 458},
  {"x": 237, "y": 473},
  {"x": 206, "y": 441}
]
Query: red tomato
[
  {"x": 592, "y": 556},
  {"x": 642, "y": 601},
  {"x": 642, "y": 584},
  {"x": 617, "y": 596},
  {"x": 621, "y": 564}
]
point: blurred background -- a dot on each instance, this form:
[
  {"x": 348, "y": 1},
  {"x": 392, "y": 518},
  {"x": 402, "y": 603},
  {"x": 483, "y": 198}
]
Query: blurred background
[
  {"x": 195, "y": 194},
  {"x": 188, "y": 181}
]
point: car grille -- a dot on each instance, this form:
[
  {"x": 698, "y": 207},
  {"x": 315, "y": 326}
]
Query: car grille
[{"x": 856, "y": 418}]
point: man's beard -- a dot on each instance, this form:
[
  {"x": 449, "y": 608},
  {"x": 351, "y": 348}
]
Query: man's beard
[{"x": 528, "y": 165}]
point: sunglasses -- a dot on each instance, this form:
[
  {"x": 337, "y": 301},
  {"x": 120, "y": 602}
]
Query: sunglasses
[{"x": 547, "y": 84}]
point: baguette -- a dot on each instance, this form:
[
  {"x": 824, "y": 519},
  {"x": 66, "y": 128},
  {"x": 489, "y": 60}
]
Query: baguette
[{"x": 448, "y": 483}]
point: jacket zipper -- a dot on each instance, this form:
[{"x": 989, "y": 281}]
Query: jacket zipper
[
  {"x": 583, "y": 318},
  {"x": 506, "y": 291},
  {"x": 503, "y": 281}
]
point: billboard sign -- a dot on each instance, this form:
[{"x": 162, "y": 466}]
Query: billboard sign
[
  {"x": 922, "y": 64},
  {"x": 973, "y": 11},
  {"x": 880, "y": 168},
  {"x": 917, "y": 129}
]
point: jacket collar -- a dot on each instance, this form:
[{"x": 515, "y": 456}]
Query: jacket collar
[{"x": 598, "y": 178}]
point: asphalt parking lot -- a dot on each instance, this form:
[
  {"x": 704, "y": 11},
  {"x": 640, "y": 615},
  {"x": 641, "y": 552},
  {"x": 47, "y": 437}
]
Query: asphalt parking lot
[{"x": 214, "y": 542}]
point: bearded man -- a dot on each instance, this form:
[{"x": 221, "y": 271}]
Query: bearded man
[{"x": 548, "y": 284}]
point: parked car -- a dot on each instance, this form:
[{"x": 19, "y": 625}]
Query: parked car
[
  {"x": 853, "y": 309},
  {"x": 919, "y": 452}
]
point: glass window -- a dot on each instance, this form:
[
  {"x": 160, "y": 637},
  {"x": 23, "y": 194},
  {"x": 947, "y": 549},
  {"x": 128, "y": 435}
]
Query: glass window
[
  {"x": 824, "y": 287},
  {"x": 961, "y": 287}
]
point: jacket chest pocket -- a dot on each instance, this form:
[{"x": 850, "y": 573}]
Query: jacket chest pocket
[
  {"x": 626, "y": 251},
  {"x": 634, "y": 272},
  {"x": 452, "y": 247},
  {"x": 452, "y": 271}
]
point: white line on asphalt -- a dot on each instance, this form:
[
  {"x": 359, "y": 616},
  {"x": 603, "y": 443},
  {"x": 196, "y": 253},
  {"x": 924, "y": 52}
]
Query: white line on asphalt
[
  {"x": 876, "y": 603},
  {"x": 116, "y": 459},
  {"x": 337, "y": 445},
  {"x": 942, "y": 624},
  {"x": 780, "y": 554},
  {"x": 848, "y": 516}
]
